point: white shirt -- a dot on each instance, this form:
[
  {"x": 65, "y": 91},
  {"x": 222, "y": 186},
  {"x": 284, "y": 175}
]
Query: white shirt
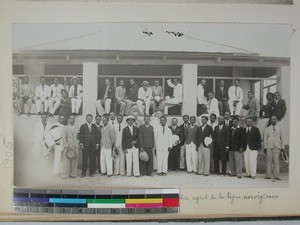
[
  {"x": 105, "y": 95},
  {"x": 220, "y": 127},
  {"x": 213, "y": 125},
  {"x": 235, "y": 94},
  {"x": 56, "y": 90},
  {"x": 131, "y": 129},
  {"x": 203, "y": 127},
  {"x": 144, "y": 95},
  {"x": 248, "y": 129},
  {"x": 177, "y": 92},
  {"x": 213, "y": 107},
  {"x": 43, "y": 92},
  {"x": 200, "y": 95},
  {"x": 90, "y": 126},
  {"x": 79, "y": 93},
  {"x": 112, "y": 122}
]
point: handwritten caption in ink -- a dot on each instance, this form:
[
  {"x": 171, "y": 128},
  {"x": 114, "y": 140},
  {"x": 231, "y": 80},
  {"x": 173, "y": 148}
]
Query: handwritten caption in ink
[{"x": 6, "y": 153}]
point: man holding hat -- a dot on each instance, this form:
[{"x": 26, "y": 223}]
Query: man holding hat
[
  {"x": 130, "y": 147},
  {"x": 144, "y": 98},
  {"x": 76, "y": 94}
]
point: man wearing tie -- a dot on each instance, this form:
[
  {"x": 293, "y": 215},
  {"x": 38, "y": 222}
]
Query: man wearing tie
[
  {"x": 42, "y": 95},
  {"x": 98, "y": 125},
  {"x": 202, "y": 100},
  {"x": 183, "y": 126},
  {"x": 26, "y": 96},
  {"x": 228, "y": 120},
  {"x": 120, "y": 96},
  {"x": 54, "y": 101},
  {"x": 212, "y": 106},
  {"x": 274, "y": 144},
  {"x": 222, "y": 96},
  {"x": 236, "y": 95},
  {"x": 108, "y": 141},
  {"x": 176, "y": 98},
  {"x": 144, "y": 98},
  {"x": 279, "y": 106},
  {"x": 221, "y": 146},
  {"x": 157, "y": 101},
  {"x": 191, "y": 153},
  {"x": 107, "y": 97},
  {"x": 89, "y": 140},
  {"x": 130, "y": 146},
  {"x": 253, "y": 139},
  {"x": 253, "y": 106},
  {"x": 174, "y": 154},
  {"x": 204, "y": 131},
  {"x": 76, "y": 95},
  {"x": 119, "y": 163},
  {"x": 132, "y": 96},
  {"x": 112, "y": 119},
  {"x": 146, "y": 142}
]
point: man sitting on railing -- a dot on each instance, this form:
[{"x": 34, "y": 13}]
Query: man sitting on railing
[
  {"x": 26, "y": 96},
  {"x": 176, "y": 98},
  {"x": 76, "y": 94}
]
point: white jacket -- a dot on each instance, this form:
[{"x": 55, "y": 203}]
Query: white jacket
[
  {"x": 42, "y": 94},
  {"x": 79, "y": 93},
  {"x": 163, "y": 141}
]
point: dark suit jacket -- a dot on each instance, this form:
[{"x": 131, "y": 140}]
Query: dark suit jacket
[
  {"x": 87, "y": 137},
  {"x": 133, "y": 93},
  {"x": 221, "y": 138},
  {"x": 238, "y": 140},
  {"x": 127, "y": 138},
  {"x": 200, "y": 135},
  {"x": 220, "y": 95},
  {"x": 190, "y": 134},
  {"x": 177, "y": 131},
  {"x": 110, "y": 93},
  {"x": 183, "y": 130},
  {"x": 146, "y": 136},
  {"x": 279, "y": 108},
  {"x": 253, "y": 138}
]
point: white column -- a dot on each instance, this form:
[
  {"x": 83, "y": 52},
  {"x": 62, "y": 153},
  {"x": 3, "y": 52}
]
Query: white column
[
  {"x": 189, "y": 82},
  {"x": 90, "y": 87}
]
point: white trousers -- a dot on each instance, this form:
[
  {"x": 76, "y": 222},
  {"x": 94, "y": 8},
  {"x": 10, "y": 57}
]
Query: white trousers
[
  {"x": 141, "y": 108},
  {"x": 119, "y": 164},
  {"x": 182, "y": 157},
  {"x": 170, "y": 103},
  {"x": 162, "y": 160},
  {"x": 54, "y": 104},
  {"x": 76, "y": 104},
  {"x": 204, "y": 159},
  {"x": 57, "y": 165},
  {"x": 154, "y": 160},
  {"x": 103, "y": 110},
  {"x": 250, "y": 158},
  {"x": 239, "y": 106},
  {"x": 42, "y": 105},
  {"x": 132, "y": 161},
  {"x": 191, "y": 156},
  {"x": 106, "y": 161}
]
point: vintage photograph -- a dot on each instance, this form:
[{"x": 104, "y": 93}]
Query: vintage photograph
[{"x": 151, "y": 105}]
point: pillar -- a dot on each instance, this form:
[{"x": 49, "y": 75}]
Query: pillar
[
  {"x": 90, "y": 87},
  {"x": 189, "y": 82}
]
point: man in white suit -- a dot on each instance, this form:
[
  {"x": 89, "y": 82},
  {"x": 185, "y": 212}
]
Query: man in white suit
[
  {"x": 157, "y": 102},
  {"x": 274, "y": 144},
  {"x": 40, "y": 149},
  {"x": 235, "y": 94},
  {"x": 76, "y": 94},
  {"x": 54, "y": 101},
  {"x": 202, "y": 100},
  {"x": 42, "y": 96},
  {"x": 176, "y": 98},
  {"x": 163, "y": 144},
  {"x": 144, "y": 98},
  {"x": 119, "y": 163}
]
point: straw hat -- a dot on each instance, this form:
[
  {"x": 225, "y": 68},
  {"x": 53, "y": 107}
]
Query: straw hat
[
  {"x": 71, "y": 154},
  {"x": 145, "y": 83},
  {"x": 130, "y": 117},
  {"x": 144, "y": 156},
  {"x": 74, "y": 78}
]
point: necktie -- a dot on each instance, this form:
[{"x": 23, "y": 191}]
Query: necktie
[
  {"x": 248, "y": 130},
  {"x": 75, "y": 90},
  {"x": 112, "y": 122},
  {"x": 274, "y": 128},
  {"x": 89, "y": 125},
  {"x": 119, "y": 127},
  {"x": 233, "y": 132},
  {"x": 163, "y": 129},
  {"x": 236, "y": 91},
  {"x": 203, "y": 128},
  {"x": 44, "y": 125}
]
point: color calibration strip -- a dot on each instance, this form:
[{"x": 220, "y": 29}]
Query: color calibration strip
[{"x": 114, "y": 201}]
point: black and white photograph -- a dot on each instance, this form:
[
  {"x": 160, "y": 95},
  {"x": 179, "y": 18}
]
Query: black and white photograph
[{"x": 151, "y": 105}]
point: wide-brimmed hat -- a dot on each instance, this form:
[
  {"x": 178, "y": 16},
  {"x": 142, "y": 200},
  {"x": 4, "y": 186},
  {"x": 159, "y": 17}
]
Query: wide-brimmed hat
[
  {"x": 144, "y": 156},
  {"x": 74, "y": 78},
  {"x": 116, "y": 152},
  {"x": 145, "y": 83},
  {"x": 71, "y": 154},
  {"x": 284, "y": 157},
  {"x": 130, "y": 117},
  {"x": 208, "y": 141}
]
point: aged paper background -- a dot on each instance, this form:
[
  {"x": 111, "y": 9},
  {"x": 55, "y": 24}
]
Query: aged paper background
[{"x": 287, "y": 201}]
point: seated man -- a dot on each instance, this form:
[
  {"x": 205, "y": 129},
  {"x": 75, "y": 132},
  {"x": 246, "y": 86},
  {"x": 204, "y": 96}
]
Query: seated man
[
  {"x": 222, "y": 96},
  {"x": 253, "y": 107},
  {"x": 267, "y": 109},
  {"x": 76, "y": 94},
  {"x": 144, "y": 97},
  {"x": 26, "y": 96},
  {"x": 106, "y": 99},
  {"x": 65, "y": 107},
  {"x": 212, "y": 106},
  {"x": 235, "y": 94},
  {"x": 157, "y": 101},
  {"x": 120, "y": 97},
  {"x": 176, "y": 98},
  {"x": 132, "y": 97},
  {"x": 42, "y": 95},
  {"x": 202, "y": 100},
  {"x": 279, "y": 106},
  {"x": 54, "y": 101}
]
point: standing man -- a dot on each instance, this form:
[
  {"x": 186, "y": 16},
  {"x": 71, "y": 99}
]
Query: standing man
[
  {"x": 228, "y": 120},
  {"x": 137, "y": 122},
  {"x": 202, "y": 100},
  {"x": 58, "y": 147},
  {"x": 176, "y": 98},
  {"x": 204, "y": 131},
  {"x": 112, "y": 119},
  {"x": 108, "y": 141},
  {"x": 70, "y": 143},
  {"x": 144, "y": 98},
  {"x": 107, "y": 97},
  {"x": 183, "y": 126},
  {"x": 130, "y": 141},
  {"x": 269, "y": 107},
  {"x": 274, "y": 144},
  {"x": 237, "y": 146},
  {"x": 174, "y": 154},
  {"x": 26, "y": 96},
  {"x": 99, "y": 126},
  {"x": 157, "y": 102},
  {"x": 190, "y": 146},
  {"x": 54, "y": 101},
  {"x": 221, "y": 146},
  {"x": 155, "y": 122},
  {"x": 253, "y": 106},
  {"x": 132, "y": 96},
  {"x": 76, "y": 94},
  {"x": 120, "y": 96},
  {"x": 42, "y": 95},
  {"x": 119, "y": 163},
  {"x": 89, "y": 140},
  {"x": 222, "y": 96},
  {"x": 163, "y": 143},
  {"x": 253, "y": 143},
  {"x": 236, "y": 95},
  {"x": 279, "y": 106},
  {"x": 146, "y": 142},
  {"x": 65, "y": 107}
]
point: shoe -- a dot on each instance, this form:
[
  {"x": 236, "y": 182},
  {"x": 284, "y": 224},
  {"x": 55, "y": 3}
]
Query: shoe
[
  {"x": 206, "y": 175},
  {"x": 232, "y": 175},
  {"x": 267, "y": 178},
  {"x": 137, "y": 176},
  {"x": 72, "y": 177},
  {"x": 64, "y": 177},
  {"x": 253, "y": 177},
  {"x": 248, "y": 176},
  {"x": 277, "y": 178},
  {"x": 28, "y": 114},
  {"x": 239, "y": 177},
  {"x": 82, "y": 175},
  {"x": 128, "y": 175},
  {"x": 109, "y": 175},
  {"x": 164, "y": 174},
  {"x": 160, "y": 174},
  {"x": 92, "y": 175}
]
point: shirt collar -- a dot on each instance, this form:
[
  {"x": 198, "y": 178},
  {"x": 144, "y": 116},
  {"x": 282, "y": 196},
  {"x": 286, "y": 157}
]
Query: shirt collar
[{"x": 238, "y": 126}]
